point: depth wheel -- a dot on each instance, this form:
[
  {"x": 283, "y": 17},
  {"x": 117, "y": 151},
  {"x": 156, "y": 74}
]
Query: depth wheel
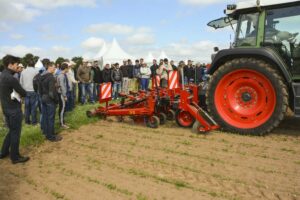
[
  {"x": 171, "y": 115},
  {"x": 153, "y": 122},
  {"x": 162, "y": 118},
  {"x": 247, "y": 96},
  {"x": 184, "y": 119}
]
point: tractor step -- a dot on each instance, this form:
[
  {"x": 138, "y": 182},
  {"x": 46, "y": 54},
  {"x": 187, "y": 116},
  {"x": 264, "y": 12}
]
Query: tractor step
[{"x": 296, "y": 88}]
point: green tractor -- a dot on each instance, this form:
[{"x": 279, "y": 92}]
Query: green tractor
[{"x": 254, "y": 82}]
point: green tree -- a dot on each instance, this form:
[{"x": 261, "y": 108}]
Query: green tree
[
  {"x": 59, "y": 61},
  {"x": 78, "y": 60},
  {"x": 27, "y": 58}
]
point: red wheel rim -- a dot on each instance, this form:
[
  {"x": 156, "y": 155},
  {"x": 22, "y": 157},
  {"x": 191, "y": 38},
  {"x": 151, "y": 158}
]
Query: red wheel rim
[
  {"x": 185, "y": 118},
  {"x": 245, "y": 99}
]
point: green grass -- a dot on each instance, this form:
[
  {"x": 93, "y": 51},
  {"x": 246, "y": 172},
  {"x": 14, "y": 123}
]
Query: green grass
[{"x": 32, "y": 135}]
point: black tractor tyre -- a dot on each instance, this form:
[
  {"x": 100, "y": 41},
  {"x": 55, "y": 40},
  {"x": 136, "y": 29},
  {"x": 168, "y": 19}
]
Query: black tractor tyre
[
  {"x": 153, "y": 122},
  {"x": 272, "y": 78},
  {"x": 162, "y": 118},
  {"x": 171, "y": 115}
]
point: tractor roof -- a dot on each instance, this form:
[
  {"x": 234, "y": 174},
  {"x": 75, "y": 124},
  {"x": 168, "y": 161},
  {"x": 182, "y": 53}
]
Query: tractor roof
[{"x": 255, "y": 3}]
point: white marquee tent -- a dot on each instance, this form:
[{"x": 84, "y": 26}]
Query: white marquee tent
[
  {"x": 149, "y": 58},
  {"x": 115, "y": 54},
  {"x": 163, "y": 55}
]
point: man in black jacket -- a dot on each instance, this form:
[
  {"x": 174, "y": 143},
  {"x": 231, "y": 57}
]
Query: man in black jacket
[
  {"x": 125, "y": 80},
  {"x": 49, "y": 102},
  {"x": 10, "y": 92},
  {"x": 106, "y": 74},
  {"x": 116, "y": 77},
  {"x": 98, "y": 79}
]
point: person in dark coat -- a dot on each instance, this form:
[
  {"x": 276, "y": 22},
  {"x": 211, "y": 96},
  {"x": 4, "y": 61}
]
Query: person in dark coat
[
  {"x": 98, "y": 79},
  {"x": 125, "y": 79},
  {"x": 106, "y": 74},
  {"x": 49, "y": 102},
  {"x": 116, "y": 77},
  {"x": 153, "y": 68},
  {"x": 10, "y": 96}
]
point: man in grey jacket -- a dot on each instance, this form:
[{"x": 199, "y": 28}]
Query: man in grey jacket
[{"x": 31, "y": 99}]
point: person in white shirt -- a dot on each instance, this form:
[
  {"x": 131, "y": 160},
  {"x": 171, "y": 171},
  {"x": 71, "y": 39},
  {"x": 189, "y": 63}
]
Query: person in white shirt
[{"x": 145, "y": 76}]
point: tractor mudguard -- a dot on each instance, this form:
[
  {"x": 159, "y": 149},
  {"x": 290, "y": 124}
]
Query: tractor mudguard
[{"x": 264, "y": 53}]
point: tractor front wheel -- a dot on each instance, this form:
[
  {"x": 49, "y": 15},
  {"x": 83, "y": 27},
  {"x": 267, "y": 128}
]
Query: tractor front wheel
[{"x": 247, "y": 96}]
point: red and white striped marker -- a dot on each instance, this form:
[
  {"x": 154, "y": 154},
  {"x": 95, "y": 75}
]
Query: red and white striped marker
[
  {"x": 157, "y": 77},
  {"x": 105, "y": 91},
  {"x": 173, "y": 81}
]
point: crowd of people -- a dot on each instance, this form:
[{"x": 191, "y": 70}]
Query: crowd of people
[{"x": 62, "y": 83}]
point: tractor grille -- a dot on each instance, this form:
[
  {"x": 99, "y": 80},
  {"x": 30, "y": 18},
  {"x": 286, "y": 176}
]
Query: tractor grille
[{"x": 296, "y": 88}]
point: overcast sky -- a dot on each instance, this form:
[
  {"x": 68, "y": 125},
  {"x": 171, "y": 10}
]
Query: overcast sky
[{"x": 51, "y": 28}]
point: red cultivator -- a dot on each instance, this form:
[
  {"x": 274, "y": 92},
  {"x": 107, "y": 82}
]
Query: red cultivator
[{"x": 157, "y": 105}]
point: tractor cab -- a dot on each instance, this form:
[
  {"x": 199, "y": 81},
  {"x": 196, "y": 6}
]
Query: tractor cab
[{"x": 266, "y": 24}]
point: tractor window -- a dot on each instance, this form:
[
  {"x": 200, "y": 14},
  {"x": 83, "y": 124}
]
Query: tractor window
[
  {"x": 247, "y": 30},
  {"x": 282, "y": 33}
]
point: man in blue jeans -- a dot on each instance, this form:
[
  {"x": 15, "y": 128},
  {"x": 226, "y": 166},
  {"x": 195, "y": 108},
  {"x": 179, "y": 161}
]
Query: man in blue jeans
[
  {"x": 49, "y": 101},
  {"x": 85, "y": 79},
  {"x": 31, "y": 99},
  {"x": 10, "y": 93}
]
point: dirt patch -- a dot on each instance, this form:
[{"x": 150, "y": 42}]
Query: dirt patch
[{"x": 111, "y": 160}]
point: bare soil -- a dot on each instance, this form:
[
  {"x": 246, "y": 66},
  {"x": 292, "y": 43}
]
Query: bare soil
[{"x": 111, "y": 160}]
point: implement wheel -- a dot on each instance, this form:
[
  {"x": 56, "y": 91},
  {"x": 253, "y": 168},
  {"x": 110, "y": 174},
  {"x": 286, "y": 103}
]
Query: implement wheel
[
  {"x": 247, "y": 96},
  {"x": 153, "y": 122},
  {"x": 162, "y": 118},
  {"x": 171, "y": 115},
  {"x": 184, "y": 119}
]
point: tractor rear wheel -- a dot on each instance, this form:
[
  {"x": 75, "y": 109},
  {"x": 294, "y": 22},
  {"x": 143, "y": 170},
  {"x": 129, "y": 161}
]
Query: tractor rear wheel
[
  {"x": 184, "y": 119},
  {"x": 247, "y": 96}
]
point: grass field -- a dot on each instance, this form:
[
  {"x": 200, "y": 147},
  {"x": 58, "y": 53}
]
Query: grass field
[{"x": 32, "y": 136}]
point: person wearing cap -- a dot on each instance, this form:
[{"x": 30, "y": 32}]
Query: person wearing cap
[
  {"x": 85, "y": 79},
  {"x": 116, "y": 77},
  {"x": 31, "y": 99}
]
